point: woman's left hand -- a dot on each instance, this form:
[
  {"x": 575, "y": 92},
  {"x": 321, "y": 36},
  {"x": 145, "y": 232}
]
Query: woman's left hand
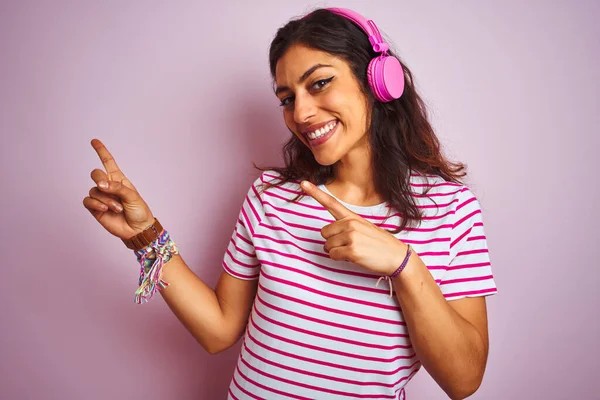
[{"x": 352, "y": 238}]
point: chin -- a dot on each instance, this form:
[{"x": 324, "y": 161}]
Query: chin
[{"x": 325, "y": 160}]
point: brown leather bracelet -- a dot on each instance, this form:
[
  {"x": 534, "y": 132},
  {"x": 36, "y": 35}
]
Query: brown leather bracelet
[{"x": 145, "y": 237}]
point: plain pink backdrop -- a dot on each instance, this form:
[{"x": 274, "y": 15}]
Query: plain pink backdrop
[{"x": 180, "y": 93}]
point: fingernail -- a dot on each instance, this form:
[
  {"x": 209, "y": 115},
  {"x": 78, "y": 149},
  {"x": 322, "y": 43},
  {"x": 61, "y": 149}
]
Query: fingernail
[
  {"x": 305, "y": 185},
  {"x": 118, "y": 207},
  {"x": 103, "y": 184}
]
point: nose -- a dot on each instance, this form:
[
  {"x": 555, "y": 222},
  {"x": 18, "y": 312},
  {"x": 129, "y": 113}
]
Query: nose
[{"x": 304, "y": 108}]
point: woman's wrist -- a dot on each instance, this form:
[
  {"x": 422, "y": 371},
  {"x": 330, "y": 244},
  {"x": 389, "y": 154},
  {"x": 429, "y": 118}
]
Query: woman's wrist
[
  {"x": 399, "y": 266},
  {"x": 402, "y": 258},
  {"x": 152, "y": 259},
  {"x": 149, "y": 234},
  {"x": 412, "y": 272}
]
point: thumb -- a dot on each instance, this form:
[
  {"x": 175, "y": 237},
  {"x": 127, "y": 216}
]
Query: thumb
[
  {"x": 119, "y": 189},
  {"x": 127, "y": 183}
]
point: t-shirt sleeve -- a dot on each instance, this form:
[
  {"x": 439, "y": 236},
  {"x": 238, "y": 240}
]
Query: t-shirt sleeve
[
  {"x": 469, "y": 272},
  {"x": 240, "y": 258}
]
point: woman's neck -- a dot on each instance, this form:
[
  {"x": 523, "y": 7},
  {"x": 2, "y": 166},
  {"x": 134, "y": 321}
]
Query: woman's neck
[{"x": 353, "y": 179}]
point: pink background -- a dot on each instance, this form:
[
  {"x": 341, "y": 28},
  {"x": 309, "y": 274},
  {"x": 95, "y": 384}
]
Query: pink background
[{"x": 181, "y": 94}]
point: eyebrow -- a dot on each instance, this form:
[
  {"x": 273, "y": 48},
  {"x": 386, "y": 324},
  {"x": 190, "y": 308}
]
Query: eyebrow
[{"x": 304, "y": 77}]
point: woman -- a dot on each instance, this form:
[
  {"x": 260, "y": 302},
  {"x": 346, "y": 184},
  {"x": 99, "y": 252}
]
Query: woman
[{"x": 365, "y": 197}]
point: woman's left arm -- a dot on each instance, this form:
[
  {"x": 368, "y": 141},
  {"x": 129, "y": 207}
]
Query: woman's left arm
[{"x": 449, "y": 337}]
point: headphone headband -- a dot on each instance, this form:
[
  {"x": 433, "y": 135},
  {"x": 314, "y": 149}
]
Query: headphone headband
[{"x": 379, "y": 45}]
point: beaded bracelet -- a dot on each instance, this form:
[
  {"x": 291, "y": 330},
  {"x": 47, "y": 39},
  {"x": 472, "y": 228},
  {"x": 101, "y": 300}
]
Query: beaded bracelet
[
  {"x": 152, "y": 260},
  {"x": 397, "y": 272}
]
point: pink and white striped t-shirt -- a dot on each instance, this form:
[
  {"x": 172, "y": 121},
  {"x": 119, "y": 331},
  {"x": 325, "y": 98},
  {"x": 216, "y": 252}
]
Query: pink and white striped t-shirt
[{"x": 319, "y": 328}]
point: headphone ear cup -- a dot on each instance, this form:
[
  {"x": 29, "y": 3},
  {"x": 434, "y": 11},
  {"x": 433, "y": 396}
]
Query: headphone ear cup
[
  {"x": 371, "y": 78},
  {"x": 386, "y": 78}
]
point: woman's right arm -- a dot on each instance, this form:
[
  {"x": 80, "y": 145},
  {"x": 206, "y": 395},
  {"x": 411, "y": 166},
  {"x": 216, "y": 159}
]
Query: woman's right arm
[{"x": 216, "y": 318}]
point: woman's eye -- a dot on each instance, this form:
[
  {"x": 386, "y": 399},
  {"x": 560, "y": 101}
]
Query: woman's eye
[
  {"x": 321, "y": 83},
  {"x": 286, "y": 101}
]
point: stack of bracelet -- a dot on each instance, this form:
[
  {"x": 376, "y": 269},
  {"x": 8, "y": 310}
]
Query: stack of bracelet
[{"x": 152, "y": 259}]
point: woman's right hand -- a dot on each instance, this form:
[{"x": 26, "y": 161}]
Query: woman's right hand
[{"x": 118, "y": 206}]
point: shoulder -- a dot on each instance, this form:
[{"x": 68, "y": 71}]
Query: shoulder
[
  {"x": 434, "y": 186},
  {"x": 268, "y": 177},
  {"x": 270, "y": 188},
  {"x": 433, "y": 189},
  {"x": 271, "y": 179}
]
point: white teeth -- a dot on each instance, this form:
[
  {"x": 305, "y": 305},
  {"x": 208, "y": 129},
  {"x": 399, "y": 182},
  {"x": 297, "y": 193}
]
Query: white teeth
[{"x": 321, "y": 131}]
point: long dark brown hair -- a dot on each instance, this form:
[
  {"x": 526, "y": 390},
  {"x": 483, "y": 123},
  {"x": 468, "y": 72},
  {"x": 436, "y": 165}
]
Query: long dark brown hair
[{"x": 401, "y": 138}]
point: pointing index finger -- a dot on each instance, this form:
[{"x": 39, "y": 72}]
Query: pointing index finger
[
  {"x": 110, "y": 165},
  {"x": 335, "y": 208}
]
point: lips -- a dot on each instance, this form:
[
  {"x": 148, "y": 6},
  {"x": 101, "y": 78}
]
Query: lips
[
  {"x": 320, "y": 135},
  {"x": 313, "y": 127}
]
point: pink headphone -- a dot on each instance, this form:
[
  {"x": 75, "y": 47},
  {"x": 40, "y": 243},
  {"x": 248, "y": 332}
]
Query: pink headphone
[{"x": 384, "y": 73}]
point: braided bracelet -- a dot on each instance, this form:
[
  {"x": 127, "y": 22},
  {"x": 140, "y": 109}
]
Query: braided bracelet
[
  {"x": 397, "y": 272},
  {"x": 152, "y": 260}
]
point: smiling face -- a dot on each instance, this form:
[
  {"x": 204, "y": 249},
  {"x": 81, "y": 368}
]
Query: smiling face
[{"x": 323, "y": 104}]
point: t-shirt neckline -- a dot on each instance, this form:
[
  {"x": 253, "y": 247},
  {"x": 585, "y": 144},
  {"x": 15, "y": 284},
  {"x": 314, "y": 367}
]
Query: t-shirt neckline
[{"x": 373, "y": 210}]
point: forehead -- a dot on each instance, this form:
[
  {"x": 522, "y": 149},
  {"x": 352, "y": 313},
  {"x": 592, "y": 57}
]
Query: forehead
[{"x": 298, "y": 59}]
